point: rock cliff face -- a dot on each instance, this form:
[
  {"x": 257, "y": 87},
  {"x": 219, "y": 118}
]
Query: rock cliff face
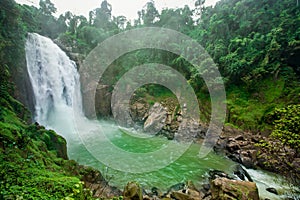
[
  {"x": 156, "y": 119},
  {"x": 103, "y": 101},
  {"x": 76, "y": 57},
  {"x": 23, "y": 90},
  {"x": 165, "y": 118}
]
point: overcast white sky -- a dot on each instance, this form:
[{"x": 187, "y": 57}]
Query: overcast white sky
[{"x": 127, "y": 8}]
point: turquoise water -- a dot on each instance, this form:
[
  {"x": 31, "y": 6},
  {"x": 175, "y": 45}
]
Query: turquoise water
[{"x": 187, "y": 167}]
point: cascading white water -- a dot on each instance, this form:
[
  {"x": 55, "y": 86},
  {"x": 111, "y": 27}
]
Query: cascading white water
[{"x": 55, "y": 83}]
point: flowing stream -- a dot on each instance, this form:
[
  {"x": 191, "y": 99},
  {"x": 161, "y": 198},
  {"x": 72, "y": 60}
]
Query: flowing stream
[{"x": 56, "y": 87}]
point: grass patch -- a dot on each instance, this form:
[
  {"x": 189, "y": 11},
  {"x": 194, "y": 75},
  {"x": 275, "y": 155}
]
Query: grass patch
[{"x": 249, "y": 111}]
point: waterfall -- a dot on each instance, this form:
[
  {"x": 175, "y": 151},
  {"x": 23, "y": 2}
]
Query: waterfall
[{"x": 55, "y": 82}]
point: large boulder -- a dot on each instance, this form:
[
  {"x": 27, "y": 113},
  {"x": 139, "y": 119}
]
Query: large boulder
[
  {"x": 96, "y": 183},
  {"x": 189, "y": 194},
  {"x": 133, "y": 191},
  {"x": 189, "y": 130},
  {"x": 248, "y": 158},
  {"x": 184, "y": 191},
  {"x": 226, "y": 189},
  {"x": 272, "y": 190},
  {"x": 138, "y": 110},
  {"x": 240, "y": 172},
  {"x": 156, "y": 119}
]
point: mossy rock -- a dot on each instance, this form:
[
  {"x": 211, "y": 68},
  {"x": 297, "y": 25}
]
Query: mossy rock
[
  {"x": 226, "y": 189},
  {"x": 133, "y": 191}
]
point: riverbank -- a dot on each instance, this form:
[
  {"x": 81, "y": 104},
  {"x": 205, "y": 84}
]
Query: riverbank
[
  {"x": 247, "y": 148},
  {"x": 188, "y": 167}
]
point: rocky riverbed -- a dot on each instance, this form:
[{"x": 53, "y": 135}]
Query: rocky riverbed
[
  {"x": 240, "y": 146},
  {"x": 221, "y": 186}
]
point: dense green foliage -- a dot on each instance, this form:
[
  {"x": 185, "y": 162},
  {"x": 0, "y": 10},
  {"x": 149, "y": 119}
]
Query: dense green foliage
[
  {"x": 281, "y": 149},
  {"x": 12, "y": 35},
  {"x": 32, "y": 164},
  {"x": 287, "y": 126},
  {"x": 256, "y": 46},
  {"x": 252, "y": 39}
]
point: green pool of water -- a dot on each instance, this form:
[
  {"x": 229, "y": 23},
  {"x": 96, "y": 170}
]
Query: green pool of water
[{"x": 187, "y": 167}]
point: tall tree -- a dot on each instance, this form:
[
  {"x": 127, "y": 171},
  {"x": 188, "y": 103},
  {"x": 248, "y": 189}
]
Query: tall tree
[
  {"x": 179, "y": 19},
  {"x": 103, "y": 15},
  {"x": 199, "y": 6},
  {"x": 120, "y": 21},
  {"x": 47, "y": 7},
  {"x": 150, "y": 14}
]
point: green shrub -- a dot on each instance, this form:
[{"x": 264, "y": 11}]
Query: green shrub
[{"x": 287, "y": 126}]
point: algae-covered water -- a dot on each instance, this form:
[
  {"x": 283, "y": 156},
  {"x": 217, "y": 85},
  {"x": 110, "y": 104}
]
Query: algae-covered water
[{"x": 187, "y": 167}]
